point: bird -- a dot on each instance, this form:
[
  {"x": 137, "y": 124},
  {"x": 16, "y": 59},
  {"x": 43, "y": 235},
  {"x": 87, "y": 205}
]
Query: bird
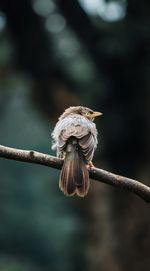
[{"x": 75, "y": 139}]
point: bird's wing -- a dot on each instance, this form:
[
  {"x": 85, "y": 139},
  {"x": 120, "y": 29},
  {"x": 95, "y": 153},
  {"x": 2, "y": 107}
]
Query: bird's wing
[
  {"x": 73, "y": 129},
  {"x": 88, "y": 145},
  {"x": 79, "y": 127}
]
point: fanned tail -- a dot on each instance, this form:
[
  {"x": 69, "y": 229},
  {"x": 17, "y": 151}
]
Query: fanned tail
[{"x": 74, "y": 177}]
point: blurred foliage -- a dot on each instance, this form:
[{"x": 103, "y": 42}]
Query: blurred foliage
[
  {"x": 54, "y": 54},
  {"x": 30, "y": 209},
  {"x": 9, "y": 264}
]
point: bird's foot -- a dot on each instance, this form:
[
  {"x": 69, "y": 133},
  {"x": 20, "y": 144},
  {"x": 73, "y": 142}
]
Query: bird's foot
[
  {"x": 62, "y": 155},
  {"x": 90, "y": 164}
]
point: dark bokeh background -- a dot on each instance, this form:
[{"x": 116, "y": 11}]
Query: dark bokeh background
[{"x": 54, "y": 54}]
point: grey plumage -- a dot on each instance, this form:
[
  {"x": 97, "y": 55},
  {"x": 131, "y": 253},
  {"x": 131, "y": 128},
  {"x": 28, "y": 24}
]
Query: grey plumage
[{"x": 75, "y": 139}]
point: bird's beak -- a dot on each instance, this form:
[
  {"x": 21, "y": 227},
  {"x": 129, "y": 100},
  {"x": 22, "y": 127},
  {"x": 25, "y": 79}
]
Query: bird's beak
[{"x": 96, "y": 114}]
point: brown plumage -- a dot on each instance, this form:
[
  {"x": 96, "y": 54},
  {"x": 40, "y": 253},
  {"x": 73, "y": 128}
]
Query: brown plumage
[{"x": 75, "y": 139}]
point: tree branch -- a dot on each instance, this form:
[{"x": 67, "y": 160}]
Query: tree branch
[{"x": 100, "y": 175}]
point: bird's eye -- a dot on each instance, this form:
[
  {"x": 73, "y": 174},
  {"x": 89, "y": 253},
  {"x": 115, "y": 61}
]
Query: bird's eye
[{"x": 89, "y": 113}]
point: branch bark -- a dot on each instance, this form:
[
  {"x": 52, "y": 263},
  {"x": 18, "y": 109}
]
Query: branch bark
[{"x": 134, "y": 186}]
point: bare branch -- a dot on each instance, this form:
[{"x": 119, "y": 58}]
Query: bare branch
[{"x": 100, "y": 175}]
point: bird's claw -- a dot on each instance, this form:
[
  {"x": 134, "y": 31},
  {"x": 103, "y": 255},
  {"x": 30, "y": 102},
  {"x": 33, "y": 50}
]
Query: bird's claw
[
  {"x": 90, "y": 165},
  {"x": 62, "y": 155}
]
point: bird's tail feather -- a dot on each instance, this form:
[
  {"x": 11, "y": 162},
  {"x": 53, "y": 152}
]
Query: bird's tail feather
[{"x": 74, "y": 177}]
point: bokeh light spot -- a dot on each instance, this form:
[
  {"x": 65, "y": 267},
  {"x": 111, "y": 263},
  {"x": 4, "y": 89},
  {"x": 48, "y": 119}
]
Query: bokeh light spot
[
  {"x": 43, "y": 7},
  {"x": 109, "y": 11},
  {"x": 2, "y": 21},
  {"x": 55, "y": 23}
]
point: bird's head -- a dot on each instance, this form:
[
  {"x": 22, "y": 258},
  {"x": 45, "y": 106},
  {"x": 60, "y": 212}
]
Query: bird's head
[
  {"x": 89, "y": 113},
  {"x": 81, "y": 110}
]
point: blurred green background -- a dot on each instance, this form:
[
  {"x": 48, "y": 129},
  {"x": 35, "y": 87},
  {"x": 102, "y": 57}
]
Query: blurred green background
[{"x": 54, "y": 54}]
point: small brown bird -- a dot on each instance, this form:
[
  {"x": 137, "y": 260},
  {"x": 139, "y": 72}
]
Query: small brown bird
[{"x": 75, "y": 139}]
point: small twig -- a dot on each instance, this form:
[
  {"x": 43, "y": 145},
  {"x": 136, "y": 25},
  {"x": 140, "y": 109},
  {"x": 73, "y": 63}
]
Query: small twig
[{"x": 100, "y": 175}]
